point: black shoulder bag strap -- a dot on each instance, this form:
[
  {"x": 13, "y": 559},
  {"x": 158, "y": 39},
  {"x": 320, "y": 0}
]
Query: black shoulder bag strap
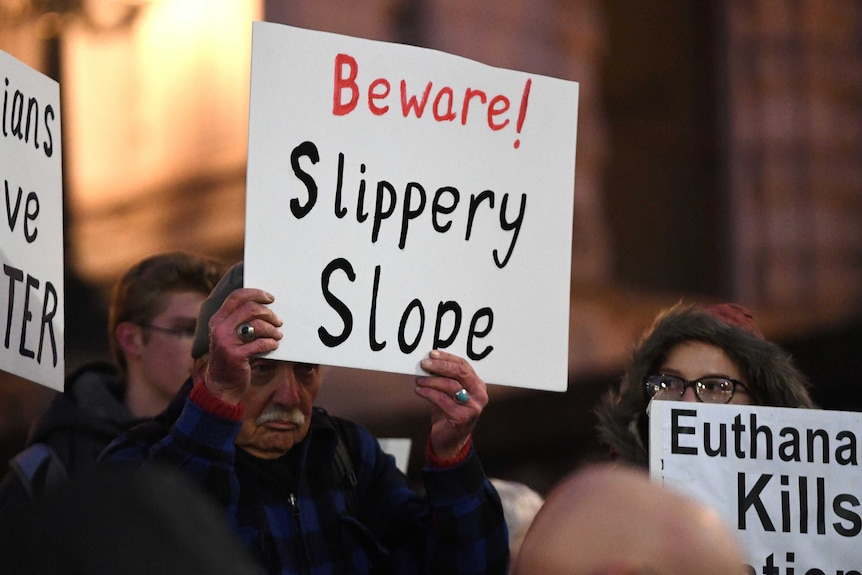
[
  {"x": 39, "y": 469},
  {"x": 342, "y": 464}
]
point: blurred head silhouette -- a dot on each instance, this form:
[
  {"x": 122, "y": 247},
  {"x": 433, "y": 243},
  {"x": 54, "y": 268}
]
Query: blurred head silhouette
[
  {"x": 122, "y": 519},
  {"x": 520, "y": 505},
  {"x": 611, "y": 520}
]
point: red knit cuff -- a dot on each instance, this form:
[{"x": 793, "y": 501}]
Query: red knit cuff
[
  {"x": 203, "y": 398},
  {"x": 451, "y": 462}
]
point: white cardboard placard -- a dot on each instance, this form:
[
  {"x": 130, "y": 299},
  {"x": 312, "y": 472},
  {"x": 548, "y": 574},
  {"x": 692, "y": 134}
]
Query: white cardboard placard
[
  {"x": 788, "y": 480},
  {"x": 398, "y": 448},
  {"x": 32, "y": 316},
  {"x": 375, "y": 228}
]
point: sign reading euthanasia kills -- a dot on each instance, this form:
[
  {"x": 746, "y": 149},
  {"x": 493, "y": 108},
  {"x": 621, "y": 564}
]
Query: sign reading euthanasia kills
[
  {"x": 400, "y": 199},
  {"x": 31, "y": 232},
  {"x": 788, "y": 480}
]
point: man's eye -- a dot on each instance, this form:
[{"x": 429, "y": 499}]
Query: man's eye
[
  {"x": 262, "y": 367},
  {"x": 305, "y": 369}
]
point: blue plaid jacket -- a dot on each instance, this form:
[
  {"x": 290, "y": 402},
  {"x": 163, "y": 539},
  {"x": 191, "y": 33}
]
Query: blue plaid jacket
[{"x": 457, "y": 528}]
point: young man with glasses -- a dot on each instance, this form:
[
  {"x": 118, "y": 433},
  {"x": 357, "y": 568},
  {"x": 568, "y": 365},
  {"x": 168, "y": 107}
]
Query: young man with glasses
[
  {"x": 711, "y": 354},
  {"x": 152, "y": 318},
  {"x": 151, "y": 324}
]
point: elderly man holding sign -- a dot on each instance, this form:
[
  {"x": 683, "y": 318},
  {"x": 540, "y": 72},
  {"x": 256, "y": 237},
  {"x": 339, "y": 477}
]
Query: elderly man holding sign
[
  {"x": 397, "y": 200},
  {"x": 309, "y": 492}
]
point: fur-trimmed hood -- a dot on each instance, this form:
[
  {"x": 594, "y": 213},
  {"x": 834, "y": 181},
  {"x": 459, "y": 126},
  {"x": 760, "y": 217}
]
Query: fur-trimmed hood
[{"x": 768, "y": 369}]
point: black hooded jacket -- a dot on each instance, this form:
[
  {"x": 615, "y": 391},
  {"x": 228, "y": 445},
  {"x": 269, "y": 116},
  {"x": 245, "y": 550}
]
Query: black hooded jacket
[
  {"x": 78, "y": 424},
  {"x": 769, "y": 371}
]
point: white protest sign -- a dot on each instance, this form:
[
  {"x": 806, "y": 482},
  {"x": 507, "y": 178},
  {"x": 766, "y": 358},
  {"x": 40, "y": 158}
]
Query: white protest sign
[
  {"x": 31, "y": 232},
  {"x": 401, "y": 199},
  {"x": 787, "y": 479},
  {"x": 398, "y": 448}
]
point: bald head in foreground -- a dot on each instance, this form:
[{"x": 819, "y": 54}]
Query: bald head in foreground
[{"x": 614, "y": 521}]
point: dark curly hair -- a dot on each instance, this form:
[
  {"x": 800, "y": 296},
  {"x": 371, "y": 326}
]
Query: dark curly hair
[{"x": 768, "y": 369}]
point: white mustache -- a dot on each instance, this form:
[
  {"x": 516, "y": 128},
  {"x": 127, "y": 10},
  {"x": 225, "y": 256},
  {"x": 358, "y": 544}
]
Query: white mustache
[{"x": 278, "y": 413}]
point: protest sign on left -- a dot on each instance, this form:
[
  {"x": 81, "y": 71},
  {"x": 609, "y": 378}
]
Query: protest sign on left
[{"x": 31, "y": 231}]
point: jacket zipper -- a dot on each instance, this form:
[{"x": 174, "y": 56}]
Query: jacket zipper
[{"x": 294, "y": 507}]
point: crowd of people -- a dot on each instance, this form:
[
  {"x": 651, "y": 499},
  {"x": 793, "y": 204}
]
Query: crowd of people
[{"x": 192, "y": 453}]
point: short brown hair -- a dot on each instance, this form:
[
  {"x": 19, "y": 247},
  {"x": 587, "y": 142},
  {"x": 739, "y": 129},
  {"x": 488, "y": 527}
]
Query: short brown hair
[{"x": 139, "y": 295}]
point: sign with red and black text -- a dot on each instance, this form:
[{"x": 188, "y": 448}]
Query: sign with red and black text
[{"x": 401, "y": 199}]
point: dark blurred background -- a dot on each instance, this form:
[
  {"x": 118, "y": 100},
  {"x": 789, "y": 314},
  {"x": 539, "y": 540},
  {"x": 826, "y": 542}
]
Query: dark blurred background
[{"x": 719, "y": 148}]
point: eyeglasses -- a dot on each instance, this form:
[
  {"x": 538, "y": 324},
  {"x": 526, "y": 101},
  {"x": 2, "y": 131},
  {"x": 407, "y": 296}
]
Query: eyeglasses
[
  {"x": 706, "y": 389},
  {"x": 182, "y": 332}
]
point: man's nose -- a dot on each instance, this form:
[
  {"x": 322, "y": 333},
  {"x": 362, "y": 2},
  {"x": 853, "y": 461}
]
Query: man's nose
[
  {"x": 287, "y": 392},
  {"x": 689, "y": 394}
]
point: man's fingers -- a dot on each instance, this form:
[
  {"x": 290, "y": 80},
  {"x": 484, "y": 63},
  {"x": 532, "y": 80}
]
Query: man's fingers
[{"x": 246, "y": 304}]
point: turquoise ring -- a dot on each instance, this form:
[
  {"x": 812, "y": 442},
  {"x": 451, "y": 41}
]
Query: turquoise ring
[{"x": 462, "y": 396}]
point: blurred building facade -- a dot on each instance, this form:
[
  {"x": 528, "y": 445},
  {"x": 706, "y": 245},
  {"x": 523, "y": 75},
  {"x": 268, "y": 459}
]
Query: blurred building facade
[{"x": 718, "y": 158}]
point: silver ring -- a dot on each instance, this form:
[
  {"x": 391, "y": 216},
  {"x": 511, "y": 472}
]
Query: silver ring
[
  {"x": 462, "y": 396},
  {"x": 245, "y": 332}
]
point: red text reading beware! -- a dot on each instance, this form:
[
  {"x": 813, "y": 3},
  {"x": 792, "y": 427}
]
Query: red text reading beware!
[{"x": 444, "y": 106}]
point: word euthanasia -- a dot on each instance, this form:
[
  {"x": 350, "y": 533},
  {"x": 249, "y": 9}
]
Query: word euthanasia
[{"x": 785, "y": 502}]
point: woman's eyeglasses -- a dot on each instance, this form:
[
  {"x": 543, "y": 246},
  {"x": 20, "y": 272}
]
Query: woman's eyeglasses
[{"x": 706, "y": 389}]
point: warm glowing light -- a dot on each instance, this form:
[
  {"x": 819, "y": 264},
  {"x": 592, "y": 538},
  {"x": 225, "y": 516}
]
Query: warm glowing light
[{"x": 149, "y": 107}]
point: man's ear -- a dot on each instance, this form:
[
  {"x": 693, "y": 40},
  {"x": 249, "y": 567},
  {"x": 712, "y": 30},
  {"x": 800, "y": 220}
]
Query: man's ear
[{"x": 130, "y": 338}]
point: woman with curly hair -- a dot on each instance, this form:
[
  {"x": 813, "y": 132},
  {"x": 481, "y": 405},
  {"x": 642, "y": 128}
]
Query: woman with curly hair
[{"x": 712, "y": 354}]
